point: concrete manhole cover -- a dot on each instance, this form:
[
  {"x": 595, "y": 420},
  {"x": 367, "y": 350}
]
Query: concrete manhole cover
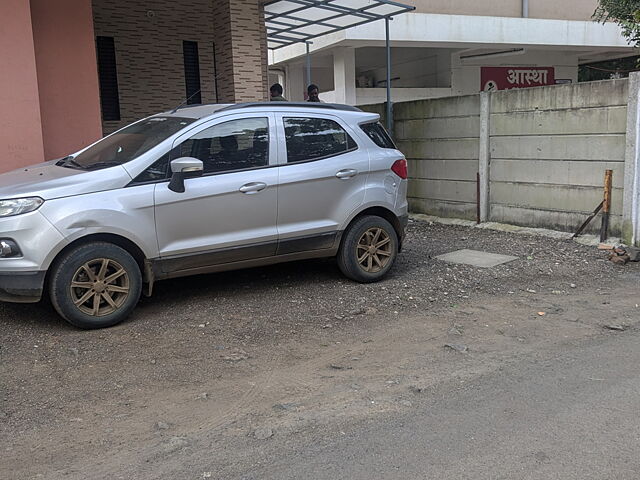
[{"x": 476, "y": 258}]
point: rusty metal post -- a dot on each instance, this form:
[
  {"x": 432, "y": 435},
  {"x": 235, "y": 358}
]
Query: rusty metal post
[
  {"x": 588, "y": 220},
  {"x": 606, "y": 207}
]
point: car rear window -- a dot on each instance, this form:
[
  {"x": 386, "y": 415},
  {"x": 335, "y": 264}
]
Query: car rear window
[
  {"x": 378, "y": 135},
  {"x": 315, "y": 138}
]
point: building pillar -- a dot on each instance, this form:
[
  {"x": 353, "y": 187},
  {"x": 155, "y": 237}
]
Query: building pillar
[
  {"x": 241, "y": 51},
  {"x": 65, "y": 56},
  {"x": 344, "y": 75},
  {"x": 295, "y": 87},
  {"x": 20, "y": 126}
]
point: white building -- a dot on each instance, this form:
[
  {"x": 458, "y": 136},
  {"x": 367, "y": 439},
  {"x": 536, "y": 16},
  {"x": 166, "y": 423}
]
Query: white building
[{"x": 448, "y": 47}]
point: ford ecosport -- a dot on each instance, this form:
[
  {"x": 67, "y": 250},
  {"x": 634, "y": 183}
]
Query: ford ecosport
[{"x": 201, "y": 189}]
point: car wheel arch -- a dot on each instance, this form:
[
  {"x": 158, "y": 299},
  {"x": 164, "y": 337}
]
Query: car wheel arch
[
  {"x": 378, "y": 211},
  {"x": 126, "y": 244}
]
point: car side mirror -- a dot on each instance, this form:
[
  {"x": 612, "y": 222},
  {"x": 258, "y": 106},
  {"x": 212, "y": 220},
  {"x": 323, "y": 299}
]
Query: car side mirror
[{"x": 181, "y": 168}]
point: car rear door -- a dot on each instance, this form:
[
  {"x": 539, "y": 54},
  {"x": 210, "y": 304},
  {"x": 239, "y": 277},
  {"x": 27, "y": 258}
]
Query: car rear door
[
  {"x": 229, "y": 213},
  {"x": 322, "y": 179}
]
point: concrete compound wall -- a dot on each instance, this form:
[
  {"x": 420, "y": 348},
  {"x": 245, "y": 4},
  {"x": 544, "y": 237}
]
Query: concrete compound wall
[
  {"x": 541, "y": 154},
  {"x": 549, "y": 149},
  {"x": 440, "y": 139}
]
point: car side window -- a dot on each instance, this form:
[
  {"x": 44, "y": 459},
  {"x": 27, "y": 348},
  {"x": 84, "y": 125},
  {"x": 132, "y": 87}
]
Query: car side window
[
  {"x": 315, "y": 138},
  {"x": 233, "y": 145},
  {"x": 158, "y": 170}
]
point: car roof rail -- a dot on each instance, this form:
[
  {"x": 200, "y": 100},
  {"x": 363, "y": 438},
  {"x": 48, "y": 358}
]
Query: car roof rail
[
  {"x": 318, "y": 105},
  {"x": 191, "y": 105}
]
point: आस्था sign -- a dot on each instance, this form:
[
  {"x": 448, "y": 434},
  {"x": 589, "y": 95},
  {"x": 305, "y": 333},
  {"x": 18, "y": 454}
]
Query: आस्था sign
[{"x": 505, "y": 78}]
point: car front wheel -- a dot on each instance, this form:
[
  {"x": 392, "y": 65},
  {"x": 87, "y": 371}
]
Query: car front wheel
[
  {"x": 368, "y": 250},
  {"x": 95, "y": 285}
]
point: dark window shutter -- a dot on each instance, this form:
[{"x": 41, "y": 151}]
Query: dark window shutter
[
  {"x": 192, "y": 72},
  {"x": 108, "y": 77}
]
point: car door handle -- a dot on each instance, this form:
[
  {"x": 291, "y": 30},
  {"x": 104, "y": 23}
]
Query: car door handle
[
  {"x": 348, "y": 173},
  {"x": 253, "y": 187}
]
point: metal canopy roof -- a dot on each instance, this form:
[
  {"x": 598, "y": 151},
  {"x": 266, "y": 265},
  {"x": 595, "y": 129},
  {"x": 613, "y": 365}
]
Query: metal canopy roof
[{"x": 295, "y": 21}]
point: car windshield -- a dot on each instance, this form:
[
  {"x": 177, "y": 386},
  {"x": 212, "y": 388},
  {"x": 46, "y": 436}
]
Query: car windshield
[{"x": 127, "y": 144}]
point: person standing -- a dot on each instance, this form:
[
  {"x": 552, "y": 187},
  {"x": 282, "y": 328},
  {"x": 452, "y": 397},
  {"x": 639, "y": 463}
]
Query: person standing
[
  {"x": 276, "y": 93},
  {"x": 313, "y": 93}
]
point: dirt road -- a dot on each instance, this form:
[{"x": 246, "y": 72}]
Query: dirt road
[
  {"x": 221, "y": 375},
  {"x": 567, "y": 413}
]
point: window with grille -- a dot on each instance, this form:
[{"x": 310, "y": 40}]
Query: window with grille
[
  {"x": 192, "y": 72},
  {"x": 108, "y": 78}
]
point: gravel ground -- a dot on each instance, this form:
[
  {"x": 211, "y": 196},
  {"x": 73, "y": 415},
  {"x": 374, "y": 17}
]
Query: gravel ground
[
  {"x": 304, "y": 294},
  {"x": 189, "y": 352}
]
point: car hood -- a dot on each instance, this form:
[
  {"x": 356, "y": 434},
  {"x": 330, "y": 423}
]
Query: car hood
[{"x": 49, "y": 181}]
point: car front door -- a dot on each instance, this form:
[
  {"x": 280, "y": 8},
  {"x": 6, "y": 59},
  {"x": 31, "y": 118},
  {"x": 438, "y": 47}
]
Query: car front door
[
  {"x": 229, "y": 213},
  {"x": 322, "y": 180}
]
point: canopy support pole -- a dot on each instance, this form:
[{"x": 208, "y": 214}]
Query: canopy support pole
[
  {"x": 388, "y": 47},
  {"x": 308, "y": 58}
]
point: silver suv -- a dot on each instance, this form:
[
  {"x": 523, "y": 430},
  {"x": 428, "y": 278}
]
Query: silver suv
[{"x": 201, "y": 189}]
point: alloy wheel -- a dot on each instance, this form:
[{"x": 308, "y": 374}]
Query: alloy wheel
[
  {"x": 99, "y": 287},
  {"x": 373, "y": 250}
]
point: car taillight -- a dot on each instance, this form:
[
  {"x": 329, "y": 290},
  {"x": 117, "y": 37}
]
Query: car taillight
[{"x": 399, "y": 167}]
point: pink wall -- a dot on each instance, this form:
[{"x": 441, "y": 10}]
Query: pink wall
[
  {"x": 20, "y": 128},
  {"x": 67, "y": 74}
]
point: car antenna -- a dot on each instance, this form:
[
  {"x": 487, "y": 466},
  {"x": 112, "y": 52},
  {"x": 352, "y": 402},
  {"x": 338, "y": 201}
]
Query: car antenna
[{"x": 185, "y": 102}]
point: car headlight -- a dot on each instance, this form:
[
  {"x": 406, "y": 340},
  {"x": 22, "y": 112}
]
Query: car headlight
[{"x": 17, "y": 206}]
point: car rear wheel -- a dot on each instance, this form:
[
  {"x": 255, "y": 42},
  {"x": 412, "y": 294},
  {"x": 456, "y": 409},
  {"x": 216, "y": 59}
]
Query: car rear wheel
[
  {"x": 95, "y": 285},
  {"x": 368, "y": 250}
]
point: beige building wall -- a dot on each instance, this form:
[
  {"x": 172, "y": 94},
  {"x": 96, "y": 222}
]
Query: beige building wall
[
  {"x": 563, "y": 10},
  {"x": 552, "y": 9},
  {"x": 149, "y": 51}
]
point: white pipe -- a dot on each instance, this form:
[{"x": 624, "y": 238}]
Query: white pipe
[{"x": 525, "y": 8}]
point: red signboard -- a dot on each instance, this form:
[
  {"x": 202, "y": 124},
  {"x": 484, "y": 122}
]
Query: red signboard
[{"x": 505, "y": 78}]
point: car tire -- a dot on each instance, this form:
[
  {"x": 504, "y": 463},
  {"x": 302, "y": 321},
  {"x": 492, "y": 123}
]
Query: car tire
[
  {"x": 95, "y": 285},
  {"x": 368, "y": 249}
]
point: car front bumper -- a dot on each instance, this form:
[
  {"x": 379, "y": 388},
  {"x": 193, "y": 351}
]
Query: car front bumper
[
  {"x": 21, "y": 287},
  {"x": 22, "y": 276}
]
